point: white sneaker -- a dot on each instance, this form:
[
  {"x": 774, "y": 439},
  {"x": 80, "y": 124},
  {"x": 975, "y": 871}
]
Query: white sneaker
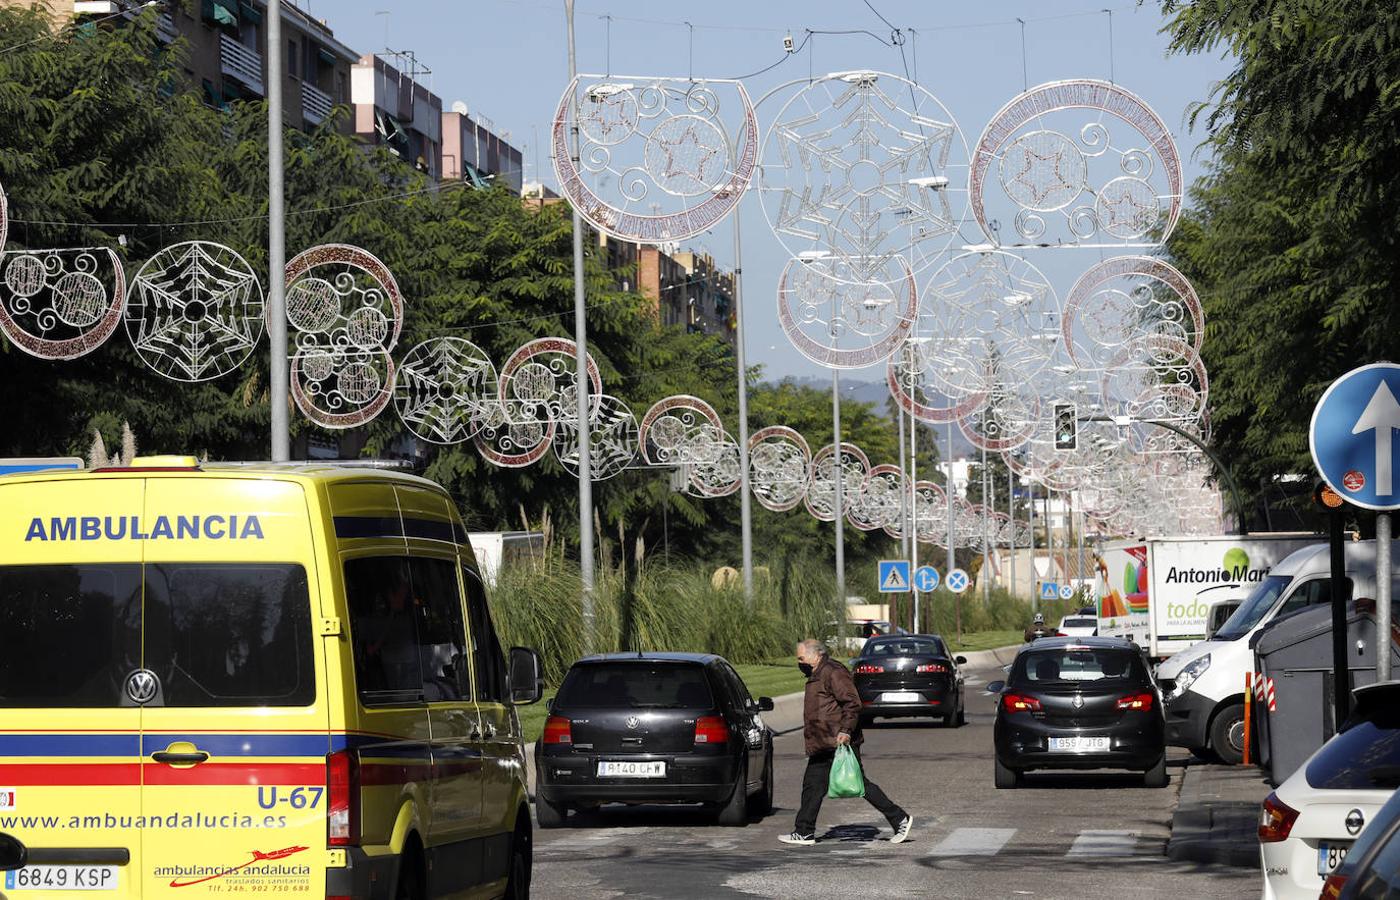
[
  {"x": 901, "y": 834},
  {"x": 804, "y": 840}
]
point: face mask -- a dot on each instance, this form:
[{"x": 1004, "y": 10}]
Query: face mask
[{"x": 805, "y": 668}]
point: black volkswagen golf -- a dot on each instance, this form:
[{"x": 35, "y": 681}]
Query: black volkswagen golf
[
  {"x": 909, "y": 675},
  {"x": 654, "y": 728},
  {"x": 1079, "y": 703}
]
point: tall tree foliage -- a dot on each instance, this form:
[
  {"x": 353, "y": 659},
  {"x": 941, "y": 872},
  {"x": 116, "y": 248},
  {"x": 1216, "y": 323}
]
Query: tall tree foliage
[{"x": 1291, "y": 238}]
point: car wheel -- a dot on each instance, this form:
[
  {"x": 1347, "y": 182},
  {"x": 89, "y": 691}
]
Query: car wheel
[
  {"x": 1204, "y": 754},
  {"x": 549, "y": 815},
  {"x": 736, "y": 811},
  {"x": 962, "y": 712},
  {"x": 1006, "y": 777},
  {"x": 410, "y": 883},
  {"x": 521, "y": 858},
  {"x": 762, "y": 803},
  {"x": 1227, "y": 734},
  {"x": 1156, "y": 777},
  {"x": 866, "y": 720}
]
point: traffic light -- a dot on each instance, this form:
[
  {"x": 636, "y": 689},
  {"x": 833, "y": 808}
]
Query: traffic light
[{"x": 1066, "y": 427}]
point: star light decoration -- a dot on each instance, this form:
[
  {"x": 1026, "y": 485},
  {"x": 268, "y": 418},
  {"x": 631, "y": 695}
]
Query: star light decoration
[
  {"x": 780, "y": 464},
  {"x": 660, "y": 159},
  {"x": 194, "y": 311},
  {"x": 60, "y": 304},
  {"x": 841, "y": 323},
  {"x": 1077, "y": 163},
  {"x": 346, "y": 312},
  {"x": 821, "y": 491},
  {"x": 1122, "y": 299},
  {"x": 867, "y": 168},
  {"x": 535, "y": 395}
]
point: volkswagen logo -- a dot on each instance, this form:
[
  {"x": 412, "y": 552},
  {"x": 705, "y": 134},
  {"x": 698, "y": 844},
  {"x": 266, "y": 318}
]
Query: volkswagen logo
[
  {"x": 142, "y": 686},
  {"x": 1078, "y": 702},
  {"x": 1356, "y": 820},
  {"x": 633, "y": 721}
]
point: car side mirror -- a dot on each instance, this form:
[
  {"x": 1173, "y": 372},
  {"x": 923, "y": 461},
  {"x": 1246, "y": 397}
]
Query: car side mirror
[
  {"x": 765, "y": 704},
  {"x": 526, "y": 676},
  {"x": 996, "y": 687},
  {"x": 960, "y": 660},
  {"x": 13, "y": 853}
]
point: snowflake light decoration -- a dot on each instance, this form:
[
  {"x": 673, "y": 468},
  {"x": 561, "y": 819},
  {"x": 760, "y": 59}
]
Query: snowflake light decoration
[
  {"x": 660, "y": 159},
  {"x": 442, "y": 388},
  {"x": 867, "y": 167},
  {"x": 194, "y": 311},
  {"x": 1079, "y": 163},
  {"x": 60, "y": 304},
  {"x": 612, "y": 440}
]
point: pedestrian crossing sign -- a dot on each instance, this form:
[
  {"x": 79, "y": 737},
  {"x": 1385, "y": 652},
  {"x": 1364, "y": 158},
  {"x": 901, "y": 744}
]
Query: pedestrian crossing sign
[
  {"x": 894, "y": 576},
  {"x": 1049, "y": 590}
]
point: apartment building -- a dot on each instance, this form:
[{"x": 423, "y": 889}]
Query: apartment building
[
  {"x": 473, "y": 151},
  {"x": 395, "y": 110}
]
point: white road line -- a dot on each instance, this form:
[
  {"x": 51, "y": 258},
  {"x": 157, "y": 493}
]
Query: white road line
[
  {"x": 973, "y": 842},
  {"x": 1119, "y": 844}
]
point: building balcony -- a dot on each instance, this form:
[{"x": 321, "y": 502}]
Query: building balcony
[
  {"x": 165, "y": 29},
  {"x": 316, "y": 104},
  {"x": 239, "y": 62}
]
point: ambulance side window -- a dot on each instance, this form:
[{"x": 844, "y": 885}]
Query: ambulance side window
[
  {"x": 379, "y": 594},
  {"x": 487, "y": 657},
  {"x": 441, "y": 635}
]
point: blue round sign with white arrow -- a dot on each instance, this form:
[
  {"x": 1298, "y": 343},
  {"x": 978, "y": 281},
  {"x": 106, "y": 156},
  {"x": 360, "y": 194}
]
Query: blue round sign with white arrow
[{"x": 1352, "y": 436}]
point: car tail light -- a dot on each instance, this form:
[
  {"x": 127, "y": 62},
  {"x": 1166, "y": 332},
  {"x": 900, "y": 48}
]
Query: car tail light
[
  {"x": 1140, "y": 702},
  {"x": 1014, "y": 703},
  {"x": 1060, "y": 634},
  {"x": 711, "y": 730},
  {"x": 868, "y": 669},
  {"x": 342, "y": 799},
  {"x": 1275, "y": 820},
  {"x": 931, "y": 667},
  {"x": 1332, "y": 887},
  {"x": 558, "y": 730}
]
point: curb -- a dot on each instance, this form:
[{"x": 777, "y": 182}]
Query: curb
[
  {"x": 997, "y": 656},
  {"x": 1218, "y": 833}
]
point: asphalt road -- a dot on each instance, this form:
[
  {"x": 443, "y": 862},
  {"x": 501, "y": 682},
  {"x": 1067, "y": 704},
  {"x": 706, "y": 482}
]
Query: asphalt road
[{"x": 1080, "y": 836}]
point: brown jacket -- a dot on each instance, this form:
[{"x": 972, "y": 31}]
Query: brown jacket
[{"x": 829, "y": 707}]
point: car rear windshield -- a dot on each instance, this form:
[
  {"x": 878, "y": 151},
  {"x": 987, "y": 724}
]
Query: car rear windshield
[
  {"x": 903, "y": 647},
  {"x": 214, "y": 634},
  {"x": 1076, "y": 665},
  {"x": 1365, "y": 756},
  {"x": 1080, "y": 622},
  {"x": 634, "y": 685}
]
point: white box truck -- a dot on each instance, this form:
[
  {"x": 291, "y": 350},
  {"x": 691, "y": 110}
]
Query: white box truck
[{"x": 1158, "y": 591}]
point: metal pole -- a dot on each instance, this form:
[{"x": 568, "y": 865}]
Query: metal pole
[
  {"x": 904, "y": 536},
  {"x": 582, "y": 386},
  {"x": 840, "y": 512},
  {"x": 1030, "y": 505},
  {"x": 1011, "y": 514},
  {"x": 986, "y": 534},
  {"x": 276, "y": 239},
  {"x": 1049, "y": 538},
  {"x": 1383, "y": 576},
  {"x": 1083, "y": 524},
  {"x": 914, "y": 511},
  {"x": 745, "y": 497},
  {"x": 948, "y": 485},
  {"x": 1341, "y": 595}
]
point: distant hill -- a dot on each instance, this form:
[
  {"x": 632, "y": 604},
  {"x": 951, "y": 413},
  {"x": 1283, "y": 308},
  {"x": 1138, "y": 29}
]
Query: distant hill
[{"x": 866, "y": 390}]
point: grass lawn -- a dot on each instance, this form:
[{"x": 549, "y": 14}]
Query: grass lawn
[{"x": 984, "y": 640}]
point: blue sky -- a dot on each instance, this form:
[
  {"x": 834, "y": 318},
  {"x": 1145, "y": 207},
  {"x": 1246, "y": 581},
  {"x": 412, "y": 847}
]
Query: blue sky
[{"x": 506, "y": 59}]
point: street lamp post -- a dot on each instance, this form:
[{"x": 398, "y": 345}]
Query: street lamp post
[{"x": 276, "y": 241}]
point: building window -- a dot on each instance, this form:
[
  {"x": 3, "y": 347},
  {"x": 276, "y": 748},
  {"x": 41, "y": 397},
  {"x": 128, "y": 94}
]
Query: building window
[{"x": 292, "y": 69}]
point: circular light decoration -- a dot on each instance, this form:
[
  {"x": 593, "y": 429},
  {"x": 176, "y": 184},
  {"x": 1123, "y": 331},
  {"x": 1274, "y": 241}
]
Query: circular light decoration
[
  {"x": 511, "y": 444},
  {"x": 442, "y": 388},
  {"x": 719, "y": 474},
  {"x": 780, "y": 463},
  {"x": 987, "y": 319},
  {"x": 681, "y": 430},
  {"x": 4, "y": 217},
  {"x": 660, "y": 159},
  {"x": 909, "y": 376},
  {"x": 1007, "y": 419},
  {"x": 866, "y": 167},
  {"x": 1157, "y": 377},
  {"x": 821, "y": 492},
  {"x": 341, "y": 387},
  {"x": 841, "y": 323},
  {"x": 612, "y": 440},
  {"x": 194, "y": 311},
  {"x": 1079, "y": 162},
  {"x": 1125, "y": 298},
  {"x": 60, "y": 304},
  {"x": 340, "y": 295},
  {"x": 880, "y": 501},
  {"x": 537, "y": 382}
]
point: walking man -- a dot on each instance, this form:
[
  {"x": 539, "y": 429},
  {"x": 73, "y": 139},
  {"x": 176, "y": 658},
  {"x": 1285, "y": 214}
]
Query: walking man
[{"x": 831, "y": 718}]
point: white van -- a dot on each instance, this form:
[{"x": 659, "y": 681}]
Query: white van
[{"x": 1203, "y": 686}]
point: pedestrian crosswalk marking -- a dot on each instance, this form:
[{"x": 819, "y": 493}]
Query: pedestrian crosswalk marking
[
  {"x": 1104, "y": 843},
  {"x": 974, "y": 842}
]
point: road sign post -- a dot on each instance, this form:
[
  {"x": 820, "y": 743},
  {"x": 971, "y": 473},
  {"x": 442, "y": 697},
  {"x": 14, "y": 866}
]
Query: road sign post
[
  {"x": 1049, "y": 590},
  {"x": 1351, "y": 439},
  {"x": 893, "y": 576},
  {"x": 925, "y": 581}
]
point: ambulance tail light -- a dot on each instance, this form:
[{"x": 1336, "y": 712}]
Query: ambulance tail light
[{"x": 342, "y": 799}]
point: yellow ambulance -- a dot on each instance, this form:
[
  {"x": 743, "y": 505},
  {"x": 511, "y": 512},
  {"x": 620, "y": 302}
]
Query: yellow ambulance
[{"x": 275, "y": 680}]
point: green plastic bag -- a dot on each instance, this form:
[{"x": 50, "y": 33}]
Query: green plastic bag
[{"x": 845, "y": 779}]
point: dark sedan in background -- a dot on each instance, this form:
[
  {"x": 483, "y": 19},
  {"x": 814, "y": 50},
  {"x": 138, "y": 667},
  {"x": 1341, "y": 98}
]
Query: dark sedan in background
[
  {"x": 654, "y": 728},
  {"x": 1079, "y": 703},
  {"x": 909, "y": 675}
]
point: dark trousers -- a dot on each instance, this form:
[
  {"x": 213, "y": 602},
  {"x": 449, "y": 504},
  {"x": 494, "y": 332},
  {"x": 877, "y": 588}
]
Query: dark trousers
[{"x": 814, "y": 782}]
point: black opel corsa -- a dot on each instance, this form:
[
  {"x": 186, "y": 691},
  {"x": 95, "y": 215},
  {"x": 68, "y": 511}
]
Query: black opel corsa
[
  {"x": 1079, "y": 703},
  {"x": 909, "y": 675},
  {"x": 654, "y": 728}
]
